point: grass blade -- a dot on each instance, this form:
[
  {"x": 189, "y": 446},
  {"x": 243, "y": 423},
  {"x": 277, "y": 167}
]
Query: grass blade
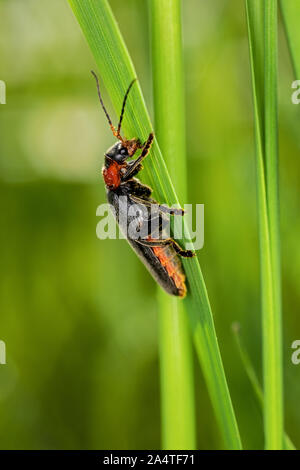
[
  {"x": 177, "y": 381},
  {"x": 272, "y": 323},
  {"x": 176, "y": 372},
  {"x": 104, "y": 38},
  {"x": 250, "y": 371},
  {"x": 291, "y": 12},
  {"x": 265, "y": 122}
]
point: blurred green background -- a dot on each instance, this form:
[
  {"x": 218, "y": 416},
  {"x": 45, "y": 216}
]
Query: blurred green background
[{"x": 79, "y": 315}]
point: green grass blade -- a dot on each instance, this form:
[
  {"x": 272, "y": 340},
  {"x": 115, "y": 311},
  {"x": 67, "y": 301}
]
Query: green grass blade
[
  {"x": 291, "y": 12},
  {"x": 265, "y": 122},
  {"x": 250, "y": 371},
  {"x": 272, "y": 329},
  {"x": 177, "y": 381},
  {"x": 116, "y": 69},
  {"x": 248, "y": 365},
  {"x": 168, "y": 82},
  {"x": 256, "y": 27},
  {"x": 176, "y": 371}
]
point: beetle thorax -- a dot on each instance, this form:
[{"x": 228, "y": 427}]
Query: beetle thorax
[{"x": 112, "y": 175}]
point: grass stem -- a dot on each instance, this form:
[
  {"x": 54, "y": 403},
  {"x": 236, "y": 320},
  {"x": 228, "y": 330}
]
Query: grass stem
[
  {"x": 264, "y": 85},
  {"x": 177, "y": 381}
]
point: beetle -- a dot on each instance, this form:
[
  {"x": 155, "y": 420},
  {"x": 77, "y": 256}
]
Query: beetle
[{"x": 125, "y": 194}]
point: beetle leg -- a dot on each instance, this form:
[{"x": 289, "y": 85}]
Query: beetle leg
[
  {"x": 143, "y": 155},
  {"x": 161, "y": 208},
  {"x": 168, "y": 242}
]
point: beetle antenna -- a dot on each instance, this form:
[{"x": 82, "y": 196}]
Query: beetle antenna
[
  {"x": 123, "y": 106},
  {"x": 102, "y": 104}
]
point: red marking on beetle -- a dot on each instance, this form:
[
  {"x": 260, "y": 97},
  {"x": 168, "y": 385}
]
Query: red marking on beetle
[
  {"x": 111, "y": 175},
  {"x": 165, "y": 255}
]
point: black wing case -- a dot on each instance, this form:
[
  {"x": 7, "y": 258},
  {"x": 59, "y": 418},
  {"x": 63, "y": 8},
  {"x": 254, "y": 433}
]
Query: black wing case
[{"x": 145, "y": 253}]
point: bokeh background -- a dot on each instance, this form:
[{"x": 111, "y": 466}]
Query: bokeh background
[{"x": 79, "y": 315}]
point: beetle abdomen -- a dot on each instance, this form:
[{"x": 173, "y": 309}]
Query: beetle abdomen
[
  {"x": 169, "y": 259},
  {"x": 158, "y": 271},
  {"x": 162, "y": 262}
]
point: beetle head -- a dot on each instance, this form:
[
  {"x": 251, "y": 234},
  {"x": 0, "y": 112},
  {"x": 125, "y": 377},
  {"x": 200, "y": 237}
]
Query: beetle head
[{"x": 118, "y": 152}]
